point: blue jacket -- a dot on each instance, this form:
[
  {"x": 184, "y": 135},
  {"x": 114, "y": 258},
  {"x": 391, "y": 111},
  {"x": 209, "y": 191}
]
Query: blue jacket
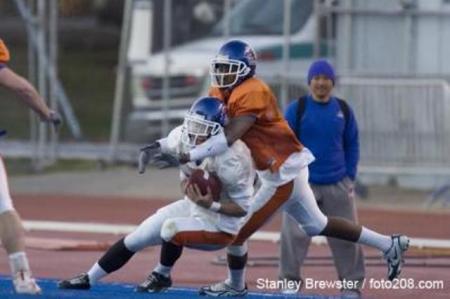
[
  {"x": 2, "y": 131},
  {"x": 333, "y": 140}
]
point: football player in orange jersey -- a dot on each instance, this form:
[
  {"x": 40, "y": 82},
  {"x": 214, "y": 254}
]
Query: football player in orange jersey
[
  {"x": 11, "y": 229},
  {"x": 281, "y": 163}
]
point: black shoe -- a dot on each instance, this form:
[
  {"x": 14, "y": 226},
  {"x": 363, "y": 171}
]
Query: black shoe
[
  {"x": 154, "y": 283},
  {"x": 79, "y": 282}
]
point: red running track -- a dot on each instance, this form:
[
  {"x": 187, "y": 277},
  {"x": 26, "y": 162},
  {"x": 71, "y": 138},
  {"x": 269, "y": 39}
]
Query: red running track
[{"x": 195, "y": 268}]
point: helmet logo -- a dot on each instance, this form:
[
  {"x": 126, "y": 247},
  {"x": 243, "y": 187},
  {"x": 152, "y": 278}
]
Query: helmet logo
[
  {"x": 222, "y": 57},
  {"x": 250, "y": 54}
]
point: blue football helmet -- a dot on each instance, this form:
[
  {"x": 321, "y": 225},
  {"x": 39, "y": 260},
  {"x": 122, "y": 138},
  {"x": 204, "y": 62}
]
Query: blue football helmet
[
  {"x": 235, "y": 62},
  {"x": 205, "y": 118}
]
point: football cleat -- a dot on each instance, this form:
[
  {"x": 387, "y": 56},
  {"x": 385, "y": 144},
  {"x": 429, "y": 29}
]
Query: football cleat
[
  {"x": 394, "y": 255},
  {"x": 79, "y": 282},
  {"x": 154, "y": 283},
  {"x": 222, "y": 289},
  {"x": 24, "y": 284}
]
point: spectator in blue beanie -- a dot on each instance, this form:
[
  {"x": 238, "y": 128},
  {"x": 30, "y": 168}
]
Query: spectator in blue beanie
[{"x": 325, "y": 125}]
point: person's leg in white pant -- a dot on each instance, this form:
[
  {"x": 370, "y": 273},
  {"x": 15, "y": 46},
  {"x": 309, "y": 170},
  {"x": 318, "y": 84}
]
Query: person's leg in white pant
[
  {"x": 148, "y": 233},
  {"x": 12, "y": 235}
]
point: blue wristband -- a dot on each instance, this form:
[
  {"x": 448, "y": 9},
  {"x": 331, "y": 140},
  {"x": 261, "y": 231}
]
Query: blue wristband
[{"x": 2, "y": 132}]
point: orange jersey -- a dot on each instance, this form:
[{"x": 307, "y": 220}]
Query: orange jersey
[
  {"x": 4, "y": 53},
  {"x": 270, "y": 139}
]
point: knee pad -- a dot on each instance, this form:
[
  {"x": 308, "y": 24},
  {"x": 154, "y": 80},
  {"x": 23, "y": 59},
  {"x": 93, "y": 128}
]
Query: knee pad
[
  {"x": 168, "y": 230},
  {"x": 116, "y": 256}
]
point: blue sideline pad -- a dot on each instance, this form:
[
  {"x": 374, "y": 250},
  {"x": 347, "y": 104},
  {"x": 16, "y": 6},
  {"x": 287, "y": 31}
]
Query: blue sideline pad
[{"x": 119, "y": 290}]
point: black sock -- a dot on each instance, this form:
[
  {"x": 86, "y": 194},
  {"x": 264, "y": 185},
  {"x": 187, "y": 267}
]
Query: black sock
[
  {"x": 342, "y": 229},
  {"x": 116, "y": 256},
  {"x": 170, "y": 253},
  {"x": 237, "y": 262}
]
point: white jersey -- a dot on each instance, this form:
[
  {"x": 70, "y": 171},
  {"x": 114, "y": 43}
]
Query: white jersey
[{"x": 235, "y": 170}]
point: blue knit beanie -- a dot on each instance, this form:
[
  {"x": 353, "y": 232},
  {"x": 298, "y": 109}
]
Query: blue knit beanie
[{"x": 321, "y": 67}]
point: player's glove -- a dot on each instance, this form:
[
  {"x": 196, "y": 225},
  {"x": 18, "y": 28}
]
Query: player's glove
[
  {"x": 161, "y": 161},
  {"x": 147, "y": 153}
]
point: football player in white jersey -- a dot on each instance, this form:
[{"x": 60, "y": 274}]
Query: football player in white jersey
[{"x": 196, "y": 221}]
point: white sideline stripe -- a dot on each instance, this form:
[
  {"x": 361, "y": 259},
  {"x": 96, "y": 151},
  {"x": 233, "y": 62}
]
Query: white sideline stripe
[
  {"x": 105, "y": 228},
  {"x": 60, "y": 226}
]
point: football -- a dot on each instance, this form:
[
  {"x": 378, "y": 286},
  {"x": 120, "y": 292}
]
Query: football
[{"x": 204, "y": 179}]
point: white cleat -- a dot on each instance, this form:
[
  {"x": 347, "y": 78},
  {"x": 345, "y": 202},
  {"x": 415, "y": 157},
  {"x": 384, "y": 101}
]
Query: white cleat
[
  {"x": 24, "y": 284},
  {"x": 222, "y": 289},
  {"x": 394, "y": 255}
]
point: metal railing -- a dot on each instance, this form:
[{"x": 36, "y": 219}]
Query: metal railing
[{"x": 404, "y": 124}]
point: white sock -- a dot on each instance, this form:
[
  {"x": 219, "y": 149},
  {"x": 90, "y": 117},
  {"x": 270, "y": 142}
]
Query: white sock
[
  {"x": 163, "y": 270},
  {"x": 374, "y": 239},
  {"x": 18, "y": 261},
  {"x": 96, "y": 273},
  {"x": 236, "y": 279}
]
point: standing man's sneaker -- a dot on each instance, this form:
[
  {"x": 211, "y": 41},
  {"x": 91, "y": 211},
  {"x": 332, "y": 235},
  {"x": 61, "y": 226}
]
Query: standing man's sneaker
[
  {"x": 24, "y": 284},
  {"x": 79, "y": 282},
  {"x": 292, "y": 286},
  {"x": 394, "y": 255},
  {"x": 222, "y": 289},
  {"x": 350, "y": 294},
  {"x": 154, "y": 283}
]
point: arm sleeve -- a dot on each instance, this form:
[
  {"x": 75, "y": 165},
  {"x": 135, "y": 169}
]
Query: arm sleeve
[
  {"x": 351, "y": 145},
  {"x": 170, "y": 144},
  {"x": 214, "y": 146}
]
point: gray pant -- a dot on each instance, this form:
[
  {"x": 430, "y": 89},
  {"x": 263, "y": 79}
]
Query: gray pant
[{"x": 333, "y": 200}]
